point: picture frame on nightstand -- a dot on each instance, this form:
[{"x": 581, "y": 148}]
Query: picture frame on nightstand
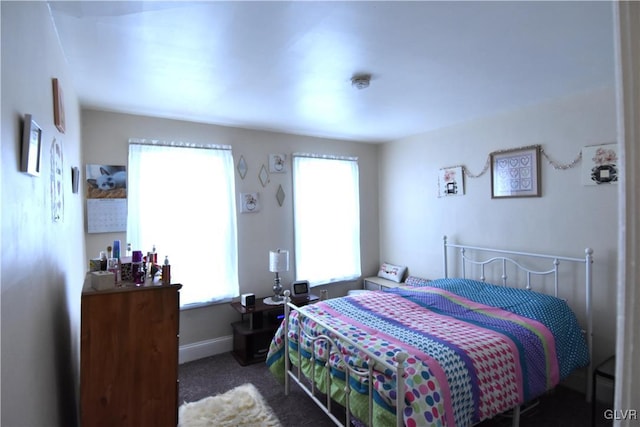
[{"x": 300, "y": 288}]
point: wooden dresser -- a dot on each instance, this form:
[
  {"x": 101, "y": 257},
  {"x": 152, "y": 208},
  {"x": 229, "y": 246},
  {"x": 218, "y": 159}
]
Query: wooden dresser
[{"x": 129, "y": 357}]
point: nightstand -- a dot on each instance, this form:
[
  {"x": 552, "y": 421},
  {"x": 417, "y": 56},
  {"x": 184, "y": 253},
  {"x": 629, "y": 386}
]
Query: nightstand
[
  {"x": 253, "y": 333},
  {"x": 376, "y": 283},
  {"x": 606, "y": 369}
]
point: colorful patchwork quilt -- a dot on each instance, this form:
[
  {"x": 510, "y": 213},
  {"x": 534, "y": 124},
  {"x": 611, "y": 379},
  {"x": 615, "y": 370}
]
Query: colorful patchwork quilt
[{"x": 474, "y": 349}]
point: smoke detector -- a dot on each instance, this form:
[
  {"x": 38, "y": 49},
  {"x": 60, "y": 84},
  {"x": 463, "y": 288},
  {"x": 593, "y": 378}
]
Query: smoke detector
[{"x": 361, "y": 81}]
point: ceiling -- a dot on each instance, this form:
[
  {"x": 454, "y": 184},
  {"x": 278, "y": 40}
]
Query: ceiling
[{"x": 287, "y": 66}]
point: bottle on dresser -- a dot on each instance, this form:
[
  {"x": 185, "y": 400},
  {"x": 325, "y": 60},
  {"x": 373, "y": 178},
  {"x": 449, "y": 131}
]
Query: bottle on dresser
[
  {"x": 166, "y": 271},
  {"x": 137, "y": 268}
]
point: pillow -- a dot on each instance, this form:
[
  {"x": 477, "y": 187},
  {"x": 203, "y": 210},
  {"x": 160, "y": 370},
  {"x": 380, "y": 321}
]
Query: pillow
[
  {"x": 416, "y": 281},
  {"x": 392, "y": 272}
]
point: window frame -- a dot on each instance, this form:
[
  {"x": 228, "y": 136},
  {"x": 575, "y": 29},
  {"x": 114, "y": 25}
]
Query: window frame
[
  {"x": 327, "y": 186},
  {"x": 217, "y": 168}
]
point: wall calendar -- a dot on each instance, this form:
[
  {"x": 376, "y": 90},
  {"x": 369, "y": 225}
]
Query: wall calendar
[
  {"x": 106, "y": 189},
  {"x": 106, "y": 215}
]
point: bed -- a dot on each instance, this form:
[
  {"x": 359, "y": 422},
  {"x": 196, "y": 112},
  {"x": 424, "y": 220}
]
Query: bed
[{"x": 466, "y": 350}]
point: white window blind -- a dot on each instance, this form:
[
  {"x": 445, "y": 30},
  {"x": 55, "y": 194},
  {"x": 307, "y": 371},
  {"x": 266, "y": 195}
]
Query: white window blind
[
  {"x": 326, "y": 205},
  {"x": 181, "y": 198}
]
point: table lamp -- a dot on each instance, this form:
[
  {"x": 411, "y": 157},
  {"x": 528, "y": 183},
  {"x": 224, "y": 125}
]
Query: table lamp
[{"x": 278, "y": 262}]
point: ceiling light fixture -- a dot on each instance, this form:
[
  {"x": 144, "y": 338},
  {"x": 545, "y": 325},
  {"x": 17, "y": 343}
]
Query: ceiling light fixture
[{"x": 361, "y": 81}]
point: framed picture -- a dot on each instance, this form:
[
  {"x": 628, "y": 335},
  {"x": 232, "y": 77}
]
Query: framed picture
[
  {"x": 277, "y": 163},
  {"x": 75, "y": 179},
  {"x": 516, "y": 173},
  {"x": 451, "y": 182},
  {"x": 31, "y": 146},
  {"x": 280, "y": 195},
  {"x": 242, "y": 167},
  {"x": 600, "y": 164},
  {"x": 58, "y": 106},
  {"x": 57, "y": 181},
  {"x": 263, "y": 176},
  {"x": 249, "y": 202}
]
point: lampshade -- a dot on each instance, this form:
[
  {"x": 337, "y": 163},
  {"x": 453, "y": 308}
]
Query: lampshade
[{"x": 278, "y": 261}]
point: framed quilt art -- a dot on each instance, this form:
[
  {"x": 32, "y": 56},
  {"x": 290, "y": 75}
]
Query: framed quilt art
[{"x": 515, "y": 173}]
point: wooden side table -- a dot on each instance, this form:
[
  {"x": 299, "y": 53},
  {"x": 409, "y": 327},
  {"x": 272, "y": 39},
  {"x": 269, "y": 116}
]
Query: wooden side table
[{"x": 253, "y": 333}]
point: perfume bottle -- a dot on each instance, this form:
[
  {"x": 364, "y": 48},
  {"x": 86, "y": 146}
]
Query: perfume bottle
[
  {"x": 166, "y": 271},
  {"x": 154, "y": 255},
  {"x": 114, "y": 267},
  {"x": 152, "y": 261},
  {"x": 103, "y": 261},
  {"x": 116, "y": 249},
  {"x": 137, "y": 268}
]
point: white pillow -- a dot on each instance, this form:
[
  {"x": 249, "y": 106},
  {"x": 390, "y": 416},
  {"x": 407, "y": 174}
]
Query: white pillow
[{"x": 392, "y": 272}]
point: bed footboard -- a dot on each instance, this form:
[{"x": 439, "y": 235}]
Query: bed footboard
[
  {"x": 309, "y": 387},
  {"x": 323, "y": 398}
]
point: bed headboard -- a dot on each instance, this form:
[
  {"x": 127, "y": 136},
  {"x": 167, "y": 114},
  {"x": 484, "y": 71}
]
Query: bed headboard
[
  {"x": 506, "y": 261},
  {"x": 515, "y": 259}
]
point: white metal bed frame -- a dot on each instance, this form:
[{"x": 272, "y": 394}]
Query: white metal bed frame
[{"x": 376, "y": 364}]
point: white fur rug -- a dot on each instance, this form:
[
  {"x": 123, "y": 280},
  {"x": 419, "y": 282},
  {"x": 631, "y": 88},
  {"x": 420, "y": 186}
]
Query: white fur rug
[{"x": 241, "y": 406}]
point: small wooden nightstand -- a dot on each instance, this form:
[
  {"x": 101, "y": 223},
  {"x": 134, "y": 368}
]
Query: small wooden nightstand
[
  {"x": 378, "y": 283},
  {"x": 606, "y": 369},
  {"x": 252, "y": 335}
]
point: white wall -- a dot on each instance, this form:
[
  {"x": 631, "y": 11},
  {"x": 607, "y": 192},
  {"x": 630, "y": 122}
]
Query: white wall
[
  {"x": 42, "y": 261},
  {"x": 106, "y": 138},
  {"x": 566, "y": 219}
]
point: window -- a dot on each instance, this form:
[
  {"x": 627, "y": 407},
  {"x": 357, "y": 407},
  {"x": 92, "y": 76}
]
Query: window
[
  {"x": 182, "y": 200},
  {"x": 326, "y": 207}
]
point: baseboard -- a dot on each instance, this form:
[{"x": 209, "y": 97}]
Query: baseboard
[{"x": 202, "y": 349}]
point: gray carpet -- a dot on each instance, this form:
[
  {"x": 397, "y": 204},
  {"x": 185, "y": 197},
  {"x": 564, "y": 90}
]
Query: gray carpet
[
  {"x": 214, "y": 375},
  {"x": 220, "y": 373}
]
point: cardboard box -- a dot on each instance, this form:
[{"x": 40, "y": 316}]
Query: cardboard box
[{"x": 101, "y": 280}]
